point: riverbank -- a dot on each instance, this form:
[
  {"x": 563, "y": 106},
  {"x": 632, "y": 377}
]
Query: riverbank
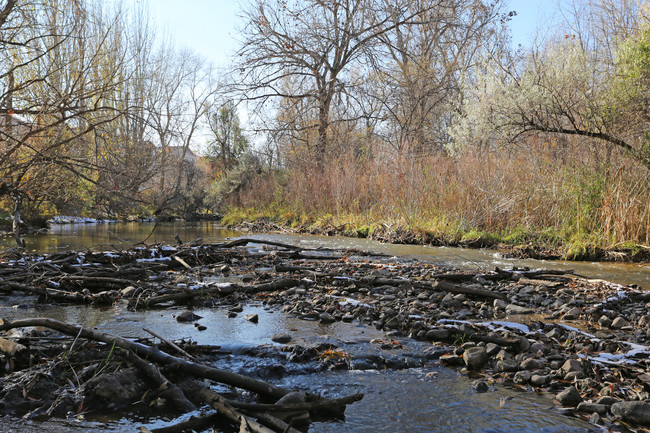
[
  {"x": 520, "y": 244},
  {"x": 585, "y": 341}
]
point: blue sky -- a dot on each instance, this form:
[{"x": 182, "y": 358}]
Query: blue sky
[{"x": 209, "y": 26}]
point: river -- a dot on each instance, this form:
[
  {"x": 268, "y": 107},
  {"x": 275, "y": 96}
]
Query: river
[
  {"x": 430, "y": 399},
  {"x": 67, "y": 237}
]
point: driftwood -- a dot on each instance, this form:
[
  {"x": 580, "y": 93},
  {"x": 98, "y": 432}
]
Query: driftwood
[
  {"x": 101, "y": 298},
  {"x": 245, "y": 241},
  {"x": 274, "y": 422},
  {"x": 330, "y": 405},
  {"x": 169, "y": 343},
  {"x": 169, "y": 390},
  {"x": 194, "y": 423},
  {"x": 456, "y": 288},
  {"x": 442, "y": 286},
  {"x": 222, "y": 290},
  {"x": 224, "y": 408},
  {"x": 155, "y": 355}
]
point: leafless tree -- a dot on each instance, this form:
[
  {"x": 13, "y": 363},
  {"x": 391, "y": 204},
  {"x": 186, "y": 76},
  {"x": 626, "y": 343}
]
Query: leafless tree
[{"x": 310, "y": 52}]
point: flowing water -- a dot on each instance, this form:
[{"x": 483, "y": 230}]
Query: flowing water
[
  {"x": 123, "y": 235},
  {"x": 430, "y": 399}
]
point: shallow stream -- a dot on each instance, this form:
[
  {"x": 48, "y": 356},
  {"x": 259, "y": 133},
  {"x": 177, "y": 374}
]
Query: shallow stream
[
  {"x": 124, "y": 235},
  {"x": 429, "y": 399}
]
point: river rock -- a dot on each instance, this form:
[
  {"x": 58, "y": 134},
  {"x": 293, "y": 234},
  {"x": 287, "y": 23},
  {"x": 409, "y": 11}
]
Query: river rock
[
  {"x": 253, "y": 318},
  {"x": 475, "y": 358},
  {"x": 480, "y": 386},
  {"x": 347, "y": 317},
  {"x": 637, "y": 412},
  {"x": 452, "y": 359},
  {"x": 116, "y": 390},
  {"x": 492, "y": 349},
  {"x": 326, "y": 318},
  {"x": 607, "y": 400},
  {"x": 188, "y": 316},
  {"x": 281, "y": 338},
  {"x": 569, "y": 397},
  {"x": 539, "y": 380},
  {"x": 532, "y": 364},
  {"x": 522, "y": 377},
  {"x": 507, "y": 365},
  {"x": 571, "y": 365},
  {"x": 573, "y": 375},
  {"x": 618, "y": 323},
  {"x": 605, "y": 321},
  {"x": 438, "y": 334},
  {"x": 644, "y": 320},
  {"x": 588, "y": 407},
  {"x": 572, "y": 314},
  {"x": 517, "y": 309}
]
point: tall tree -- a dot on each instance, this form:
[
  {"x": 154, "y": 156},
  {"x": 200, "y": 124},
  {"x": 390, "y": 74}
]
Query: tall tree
[
  {"x": 228, "y": 139},
  {"x": 304, "y": 50}
]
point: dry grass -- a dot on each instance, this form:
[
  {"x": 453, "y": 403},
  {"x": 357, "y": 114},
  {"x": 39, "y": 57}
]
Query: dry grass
[{"x": 544, "y": 193}]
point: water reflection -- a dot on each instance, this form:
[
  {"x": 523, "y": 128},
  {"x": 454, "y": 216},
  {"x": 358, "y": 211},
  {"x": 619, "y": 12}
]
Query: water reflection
[
  {"x": 66, "y": 237},
  {"x": 125, "y": 235}
]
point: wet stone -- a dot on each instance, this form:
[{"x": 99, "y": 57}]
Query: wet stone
[
  {"x": 452, "y": 359},
  {"x": 281, "y": 338},
  {"x": 607, "y": 400},
  {"x": 588, "y": 407},
  {"x": 188, "y": 316},
  {"x": 475, "y": 358},
  {"x": 605, "y": 321},
  {"x": 637, "y": 412},
  {"x": 539, "y": 380},
  {"x": 253, "y": 318},
  {"x": 532, "y": 364},
  {"x": 571, "y": 365},
  {"x": 326, "y": 318},
  {"x": 569, "y": 397},
  {"x": 439, "y": 334},
  {"x": 508, "y": 365},
  {"x": 480, "y": 386},
  {"x": 517, "y": 309},
  {"x": 522, "y": 377},
  {"x": 492, "y": 349},
  {"x": 618, "y": 323}
]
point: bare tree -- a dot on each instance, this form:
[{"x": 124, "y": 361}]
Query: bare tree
[
  {"x": 304, "y": 51},
  {"x": 420, "y": 71},
  {"x": 58, "y": 87}
]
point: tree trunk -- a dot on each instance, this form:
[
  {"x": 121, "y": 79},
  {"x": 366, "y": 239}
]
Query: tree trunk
[{"x": 18, "y": 203}]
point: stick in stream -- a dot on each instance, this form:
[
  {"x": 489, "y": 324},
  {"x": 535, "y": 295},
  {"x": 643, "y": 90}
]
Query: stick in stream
[
  {"x": 169, "y": 343},
  {"x": 169, "y": 390},
  {"x": 224, "y": 408},
  {"x": 157, "y": 356}
]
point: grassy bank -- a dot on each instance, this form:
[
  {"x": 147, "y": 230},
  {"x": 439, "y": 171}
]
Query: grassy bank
[
  {"x": 541, "y": 200},
  {"x": 518, "y": 243}
]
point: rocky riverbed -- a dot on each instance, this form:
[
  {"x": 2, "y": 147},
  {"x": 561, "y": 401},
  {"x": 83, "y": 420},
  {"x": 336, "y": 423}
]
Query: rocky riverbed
[{"x": 583, "y": 340}]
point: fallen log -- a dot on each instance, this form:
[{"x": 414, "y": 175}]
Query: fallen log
[{"x": 157, "y": 356}]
